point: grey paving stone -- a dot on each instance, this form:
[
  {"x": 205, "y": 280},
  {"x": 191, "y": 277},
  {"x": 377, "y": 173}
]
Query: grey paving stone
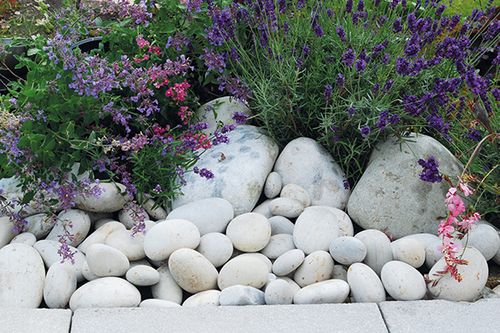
[
  {"x": 440, "y": 316},
  {"x": 34, "y": 320},
  {"x": 348, "y": 318}
]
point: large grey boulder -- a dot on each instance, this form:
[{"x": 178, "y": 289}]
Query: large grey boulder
[
  {"x": 390, "y": 195},
  {"x": 240, "y": 170},
  {"x": 220, "y": 110},
  {"x": 306, "y": 163}
]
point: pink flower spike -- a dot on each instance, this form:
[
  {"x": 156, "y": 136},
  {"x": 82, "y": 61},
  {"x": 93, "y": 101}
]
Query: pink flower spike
[{"x": 465, "y": 189}]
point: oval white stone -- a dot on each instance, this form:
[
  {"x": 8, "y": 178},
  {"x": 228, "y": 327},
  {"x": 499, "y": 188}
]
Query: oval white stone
[
  {"x": 158, "y": 303},
  {"x": 99, "y": 236},
  {"x": 409, "y": 251},
  {"x": 60, "y": 284},
  {"x": 296, "y": 192},
  {"x": 126, "y": 216},
  {"x": 104, "y": 260},
  {"x": 365, "y": 284},
  {"x": 110, "y": 200},
  {"x": 22, "y": 277},
  {"x": 156, "y": 213},
  {"x": 216, "y": 247},
  {"x": 192, "y": 271},
  {"x": 40, "y": 225},
  {"x": 241, "y": 295},
  {"x": 264, "y": 208},
  {"x": 278, "y": 292},
  {"x": 249, "y": 232},
  {"x": 74, "y": 221},
  {"x": 288, "y": 262},
  {"x": 142, "y": 275},
  {"x": 243, "y": 270},
  {"x": 107, "y": 292},
  {"x": 317, "y": 266},
  {"x": 329, "y": 291},
  {"x": 48, "y": 251},
  {"x": 402, "y": 281},
  {"x": 26, "y": 238},
  {"x": 378, "y": 248},
  {"x": 259, "y": 256},
  {"x": 6, "y": 231},
  {"x": 168, "y": 236},
  {"x": 347, "y": 250},
  {"x": 286, "y": 207},
  {"x": 204, "y": 298},
  {"x": 485, "y": 239},
  {"x": 315, "y": 229},
  {"x": 339, "y": 272},
  {"x": 273, "y": 185},
  {"x": 281, "y": 225},
  {"x": 131, "y": 245},
  {"x": 278, "y": 245},
  {"x": 167, "y": 289}
]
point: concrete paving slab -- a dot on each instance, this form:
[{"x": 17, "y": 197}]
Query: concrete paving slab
[
  {"x": 331, "y": 318},
  {"x": 440, "y": 316},
  {"x": 34, "y": 320}
]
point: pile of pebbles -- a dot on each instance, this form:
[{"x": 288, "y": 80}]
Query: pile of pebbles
[{"x": 285, "y": 251}]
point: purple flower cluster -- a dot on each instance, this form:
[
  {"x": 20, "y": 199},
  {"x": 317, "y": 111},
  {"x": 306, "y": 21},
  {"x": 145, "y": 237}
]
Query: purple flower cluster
[
  {"x": 214, "y": 61},
  {"x": 203, "y": 172},
  {"x": 430, "y": 172}
]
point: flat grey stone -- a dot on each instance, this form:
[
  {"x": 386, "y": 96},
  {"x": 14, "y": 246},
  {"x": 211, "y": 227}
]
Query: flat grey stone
[
  {"x": 439, "y": 316},
  {"x": 348, "y": 318},
  {"x": 34, "y": 320}
]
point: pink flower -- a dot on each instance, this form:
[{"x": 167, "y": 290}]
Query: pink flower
[
  {"x": 445, "y": 228},
  {"x": 469, "y": 221},
  {"x": 455, "y": 204},
  {"x": 141, "y": 42},
  {"x": 465, "y": 189}
]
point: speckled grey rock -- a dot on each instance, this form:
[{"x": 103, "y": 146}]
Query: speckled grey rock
[
  {"x": 240, "y": 168},
  {"x": 347, "y": 250},
  {"x": 243, "y": 270},
  {"x": 378, "y": 248},
  {"x": 286, "y": 207},
  {"x": 220, "y": 110},
  {"x": 241, "y": 295},
  {"x": 315, "y": 229},
  {"x": 402, "y": 281},
  {"x": 216, "y": 247},
  {"x": 278, "y": 292},
  {"x": 249, "y": 232},
  {"x": 323, "y": 180},
  {"x": 474, "y": 277},
  {"x": 192, "y": 271},
  {"x": 48, "y": 251},
  {"x": 391, "y": 197},
  {"x": 208, "y": 215},
  {"x": 278, "y": 245},
  {"x": 203, "y": 298},
  {"x": 329, "y": 291},
  {"x": 107, "y": 292},
  {"x": 26, "y": 238},
  {"x": 281, "y": 225},
  {"x": 22, "y": 277},
  {"x": 365, "y": 285},
  {"x": 296, "y": 192},
  {"x": 288, "y": 262},
  {"x": 110, "y": 200},
  {"x": 142, "y": 275},
  {"x": 104, "y": 260},
  {"x": 60, "y": 284},
  {"x": 167, "y": 289},
  {"x": 272, "y": 187},
  {"x": 317, "y": 266}
]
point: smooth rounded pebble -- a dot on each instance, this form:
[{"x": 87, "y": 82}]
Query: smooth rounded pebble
[
  {"x": 112, "y": 198},
  {"x": 378, "y": 248},
  {"x": 249, "y": 232},
  {"x": 474, "y": 278},
  {"x": 216, "y": 247},
  {"x": 241, "y": 295},
  {"x": 365, "y": 284},
  {"x": 281, "y": 225},
  {"x": 344, "y": 222},
  {"x": 142, "y": 275},
  {"x": 409, "y": 251},
  {"x": 170, "y": 235},
  {"x": 278, "y": 292},
  {"x": 158, "y": 303},
  {"x": 60, "y": 284},
  {"x": 192, "y": 271},
  {"x": 293, "y": 284},
  {"x": 6, "y": 231},
  {"x": 272, "y": 187},
  {"x": 22, "y": 276},
  {"x": 26, "y": 238},
  {"x": 264, "y": 208},
  {"x": 259, "y": 256},
  {"x": 100, "y": 235},
  {"x": 126, "y": 216},
  {"x": 104, "y": 260},
  {"x": 204, "y": 298},
  {"x": 208, "y": 215},
  {"x": 73, "y": 221},
  {"x": 339, "y": 272},
  {"x": 296, "y": 192},
  {"x": 167, "y": 289},
  {"x": 48, "y": 250},
  {"x": 288, "y": 262},
  {"x": 107, "y": 292},
  {"x": 329, "y": 291},
  {"x": 128, "y": 243},
  {"x": 402, "y": 281},
  {"x": 286, "y": 207},
  {"x": 243, "y": 270},
  {"x": 87, "y": 273},
  {"x": 347, "y": 250},
  {"x": 315, "y": 229},
  {"x": 40, "y": 224},
  {"x": 317, "y": 266},
  {"x": 278, "y": 245},
  {"x": 155, "y": 212},
  {"x": 485, "y": 239},
  {"x": 433, "y": 253}
]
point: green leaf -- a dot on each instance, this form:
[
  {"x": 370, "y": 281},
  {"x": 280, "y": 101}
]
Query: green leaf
[
  {"x": 28, "y": 196},
  {"x": 32, "y": 52}
]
